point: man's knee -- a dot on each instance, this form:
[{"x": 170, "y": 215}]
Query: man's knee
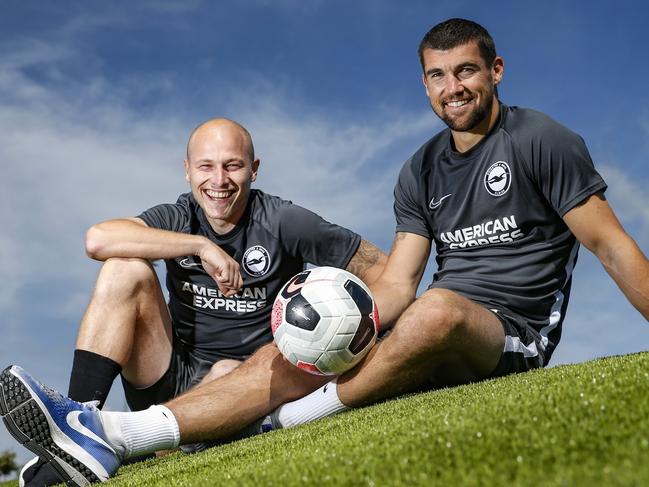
[
  {"x": 221, "y": 368},
  {"x": 434, "y": 321},
  {"x": 458, "y": 338},
  {"x": 120, "y": 276}
]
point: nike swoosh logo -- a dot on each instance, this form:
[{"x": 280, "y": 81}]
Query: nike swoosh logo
[
  {"x": 187, "y": 263},
  {"x": 292, "y": 287},
  {"x": 73, "y": 421},
  {"x": 434, "y": 204}
]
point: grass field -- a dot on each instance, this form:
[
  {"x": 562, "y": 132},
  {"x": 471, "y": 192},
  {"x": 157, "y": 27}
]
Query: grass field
[{"x": 585, "y": 424}]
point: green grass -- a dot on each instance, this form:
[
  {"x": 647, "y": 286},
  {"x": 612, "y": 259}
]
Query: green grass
[{"x": 585, "y": 424}]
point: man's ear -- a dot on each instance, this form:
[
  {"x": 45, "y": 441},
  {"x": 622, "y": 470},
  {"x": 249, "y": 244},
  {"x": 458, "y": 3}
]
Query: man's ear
[
  {"x": 255, "y": 168},
  {"x": 498, "y": 69}
]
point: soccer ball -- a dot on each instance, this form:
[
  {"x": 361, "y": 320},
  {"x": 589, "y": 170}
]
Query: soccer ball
[{"x": 324, "y": 320}]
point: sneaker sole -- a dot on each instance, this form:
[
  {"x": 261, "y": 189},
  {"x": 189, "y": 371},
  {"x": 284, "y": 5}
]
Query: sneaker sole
[{"x": 28, "y": 424}]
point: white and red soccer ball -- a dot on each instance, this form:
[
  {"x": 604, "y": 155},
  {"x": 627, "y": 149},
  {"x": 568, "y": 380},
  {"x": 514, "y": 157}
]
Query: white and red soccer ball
[{"x": 324, "y": 320}]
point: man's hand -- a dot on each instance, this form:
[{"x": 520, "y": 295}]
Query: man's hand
[{"x": 223, "y": 268}]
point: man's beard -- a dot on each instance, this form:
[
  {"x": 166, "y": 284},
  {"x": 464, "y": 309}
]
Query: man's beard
[{"x": 475, "y": 117}]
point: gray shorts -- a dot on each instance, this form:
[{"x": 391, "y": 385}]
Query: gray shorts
[
  {"x": 524, "y": 349},
  {"x": 185, "y": 371}
]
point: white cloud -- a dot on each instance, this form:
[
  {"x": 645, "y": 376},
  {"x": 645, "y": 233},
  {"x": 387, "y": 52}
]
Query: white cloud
[
  {"x": 70, "y": 164},
  {"x": 344, "y": 171},
  {"x": 60, "y": 176}
]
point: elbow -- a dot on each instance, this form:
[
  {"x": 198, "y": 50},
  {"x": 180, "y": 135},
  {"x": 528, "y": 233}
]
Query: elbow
[{"x": 95, "y": 242}]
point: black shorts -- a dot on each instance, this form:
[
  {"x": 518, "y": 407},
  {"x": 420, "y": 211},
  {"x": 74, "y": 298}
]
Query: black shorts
[
  {"x": 524, "y": 348},
  {"x": 185, "y": 371}
]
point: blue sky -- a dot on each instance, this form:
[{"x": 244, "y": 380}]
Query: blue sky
[{"x": 97, "y": 100}]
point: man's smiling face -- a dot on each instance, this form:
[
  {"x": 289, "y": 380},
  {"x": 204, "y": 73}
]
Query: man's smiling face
[
  {"x": 220, "y": 171},
  {"x": 460, "y": 85}
]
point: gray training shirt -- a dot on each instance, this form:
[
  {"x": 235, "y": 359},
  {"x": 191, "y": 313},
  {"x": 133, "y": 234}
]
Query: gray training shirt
[
  {"x": 495, "y": 214},
  {"x": 272, "y": 242}
]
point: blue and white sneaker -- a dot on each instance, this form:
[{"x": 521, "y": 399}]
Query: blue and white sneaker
[{"x": 67, "y": 434}]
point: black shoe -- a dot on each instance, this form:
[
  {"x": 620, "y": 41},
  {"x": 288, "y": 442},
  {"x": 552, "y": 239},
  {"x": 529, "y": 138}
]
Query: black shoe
[
  {"x": 38, "y": 473},
  {"x": 139, "y": 458},
  {"x": 190, "y": 448}
]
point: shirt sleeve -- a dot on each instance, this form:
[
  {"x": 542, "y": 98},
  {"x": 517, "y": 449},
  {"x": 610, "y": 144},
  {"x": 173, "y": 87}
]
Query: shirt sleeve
[
  {"x": 560, "y": 165},
  {"x": 407, "y": 207},
  {"x": 174, "y": 217},
  {"x": 316, "y": 241}
]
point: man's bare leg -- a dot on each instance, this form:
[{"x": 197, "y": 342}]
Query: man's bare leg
[
  {"x": 221, "y": 408},
  {"x": 128, "y": 322},
  {"x": 442, "y": 339},
  {"x": 126, "y": 328}
]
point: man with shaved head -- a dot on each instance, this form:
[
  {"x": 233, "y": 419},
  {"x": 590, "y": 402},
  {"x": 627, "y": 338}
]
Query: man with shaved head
[{"x": 228, "y": 250}]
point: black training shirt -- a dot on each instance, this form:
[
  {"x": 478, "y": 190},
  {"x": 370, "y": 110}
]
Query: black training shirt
[
  {"x": 495, "y": 214},
  {"x": 272, "y": 242}
]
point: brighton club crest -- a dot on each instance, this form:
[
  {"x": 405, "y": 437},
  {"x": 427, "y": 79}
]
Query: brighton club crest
[
  {"x": 498, "y": 178},
  {"x": 256, "y": 261}
]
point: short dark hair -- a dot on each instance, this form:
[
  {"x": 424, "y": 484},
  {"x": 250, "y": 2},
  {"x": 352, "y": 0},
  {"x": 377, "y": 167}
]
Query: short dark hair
[{"x": 457, "y": 32}]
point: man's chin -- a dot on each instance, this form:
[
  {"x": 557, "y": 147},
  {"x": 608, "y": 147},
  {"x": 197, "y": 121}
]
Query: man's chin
[
  {"x": 463, "y": 124},
  {"x": 216, "y": 213},
  {"x": 458, "y": 124}
]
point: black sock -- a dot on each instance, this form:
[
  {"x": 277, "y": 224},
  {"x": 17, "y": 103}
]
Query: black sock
[{"x": 92, "y": 377}]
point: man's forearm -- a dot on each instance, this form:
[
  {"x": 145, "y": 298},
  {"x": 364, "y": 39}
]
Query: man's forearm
[
  {"x": 629, "y": 268},
  {"x": 391, "y": 301},
  {"x": 368, "y": 262},
  {"x": 131, "y": 239}
]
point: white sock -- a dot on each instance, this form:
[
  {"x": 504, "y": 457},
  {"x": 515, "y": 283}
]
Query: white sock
[
  {"x": 319, "y": 404},
  {"x": 140, "y": 432}
]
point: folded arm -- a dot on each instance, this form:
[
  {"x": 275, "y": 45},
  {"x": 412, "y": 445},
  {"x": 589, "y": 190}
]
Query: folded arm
[{"x": 132, "y": 238}]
